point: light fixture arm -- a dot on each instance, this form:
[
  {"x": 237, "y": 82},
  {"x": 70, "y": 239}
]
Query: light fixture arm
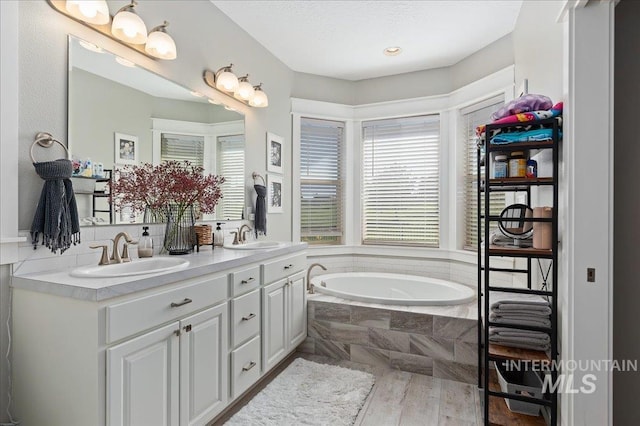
[
  {"x": 244, "y": 78},
  {"x": 162, "y": 27},
  {"x": 128, "y": 7}
]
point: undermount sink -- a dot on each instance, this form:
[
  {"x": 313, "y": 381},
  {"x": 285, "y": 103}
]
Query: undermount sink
[
  {"x": 256, "y": 245},
  {"x": 135, "y": 267}
]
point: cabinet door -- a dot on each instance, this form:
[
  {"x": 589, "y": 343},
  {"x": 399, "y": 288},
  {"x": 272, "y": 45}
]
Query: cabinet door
[
  {"x": 297, "y": 298},
  {"x": 203, "y": 366},
  {"x": 142, "y": 379},
  {"x": 274, "y": 327}
]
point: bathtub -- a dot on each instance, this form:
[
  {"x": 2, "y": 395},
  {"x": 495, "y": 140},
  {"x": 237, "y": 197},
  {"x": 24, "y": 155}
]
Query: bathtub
[{"x": 392, "y": 289}]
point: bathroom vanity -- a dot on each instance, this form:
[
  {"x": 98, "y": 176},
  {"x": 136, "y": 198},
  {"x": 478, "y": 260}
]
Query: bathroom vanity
[{"x": 174, "y": 348}]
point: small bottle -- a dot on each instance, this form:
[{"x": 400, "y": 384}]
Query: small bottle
[
  {"x": 218, "y": 236},
  {"x": 145, "y": 245},
  {"x": 517, "y": 164},
  {"x": 500, "y": 167},
  {"x": 532, "y": 168}
]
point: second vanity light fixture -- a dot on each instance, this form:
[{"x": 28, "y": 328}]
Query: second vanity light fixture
[
  {"x": 126, "y": 26},
  {"x": 226, "y": 81}
]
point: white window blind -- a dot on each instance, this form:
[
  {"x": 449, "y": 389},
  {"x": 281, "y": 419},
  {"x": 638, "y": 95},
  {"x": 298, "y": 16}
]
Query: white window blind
[
  {"x": 182, "y": 148},
  {"x": 230, "y": 164},
  {"x": 472, "y": 117},
  {"x": 321, "y": 152},
  {"x": 401, "y": 181}
]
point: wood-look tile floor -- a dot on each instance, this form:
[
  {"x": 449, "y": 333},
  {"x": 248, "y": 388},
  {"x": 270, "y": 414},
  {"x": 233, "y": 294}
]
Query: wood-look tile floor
[{"x": 399, "y": 398}]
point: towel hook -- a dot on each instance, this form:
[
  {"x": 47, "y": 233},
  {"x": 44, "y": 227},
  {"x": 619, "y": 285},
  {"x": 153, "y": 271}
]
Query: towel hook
[
  {"x": 45, "y": 140},
  {"x": 256, "y": 175}
]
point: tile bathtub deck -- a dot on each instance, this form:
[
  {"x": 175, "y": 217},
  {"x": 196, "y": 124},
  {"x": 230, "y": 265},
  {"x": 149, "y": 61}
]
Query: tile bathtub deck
[{"x": 465, "y": 311}]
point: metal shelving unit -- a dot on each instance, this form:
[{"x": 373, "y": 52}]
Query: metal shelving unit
[{"x": 494, "y": 408}]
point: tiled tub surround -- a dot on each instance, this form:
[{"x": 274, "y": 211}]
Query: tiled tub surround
[{"x": 439, "y": 341}]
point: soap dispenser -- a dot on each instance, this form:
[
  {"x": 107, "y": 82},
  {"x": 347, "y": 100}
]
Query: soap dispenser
[
  {"x": 218, "y": 236},
  {"x": 145, "y": 245}
]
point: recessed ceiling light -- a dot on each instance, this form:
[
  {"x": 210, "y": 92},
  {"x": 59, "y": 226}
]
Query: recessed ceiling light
[
  {"x": 90, "y": 46},
  {"x": 392, "y": 51},
  {"x": 196, "y": 94},
  {"x": 125, "y": 62}
]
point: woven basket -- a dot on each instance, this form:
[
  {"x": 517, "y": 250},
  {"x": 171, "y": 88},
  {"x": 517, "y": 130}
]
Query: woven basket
[{"x": 204, "y": 233}]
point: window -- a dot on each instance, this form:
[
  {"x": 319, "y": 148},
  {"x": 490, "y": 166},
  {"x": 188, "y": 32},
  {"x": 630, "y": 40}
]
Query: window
[
  {"x": 230, "y": 164},
  {"x": 472, "y": 117},
  {"x": 321, "y": 152},
  {"x": 401, "y": 181},
  {"x": 182, "y": 148}
]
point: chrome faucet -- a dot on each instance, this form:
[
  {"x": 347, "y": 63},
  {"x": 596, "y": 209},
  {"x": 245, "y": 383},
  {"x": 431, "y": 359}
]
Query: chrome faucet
[
  {"x": 242, "y": 237},
  {"x": 115, "y": 256},
  {"x": 309, "y": 285}
]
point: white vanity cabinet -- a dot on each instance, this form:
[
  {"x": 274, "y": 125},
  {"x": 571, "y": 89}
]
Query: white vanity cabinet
[
  {"x": 284, "y": 308},
  {"x": 172, "y": 354}
]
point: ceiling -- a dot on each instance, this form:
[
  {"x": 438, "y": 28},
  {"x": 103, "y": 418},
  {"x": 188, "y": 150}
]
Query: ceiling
[{"x": 346, "y": 39}]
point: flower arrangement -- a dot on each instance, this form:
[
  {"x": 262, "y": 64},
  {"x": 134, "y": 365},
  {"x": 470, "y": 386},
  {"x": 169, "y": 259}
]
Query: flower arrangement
[{"x": 172, "y": 183}]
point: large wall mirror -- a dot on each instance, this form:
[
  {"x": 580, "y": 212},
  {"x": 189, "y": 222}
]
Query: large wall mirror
[{"x": 121, "y": 114}]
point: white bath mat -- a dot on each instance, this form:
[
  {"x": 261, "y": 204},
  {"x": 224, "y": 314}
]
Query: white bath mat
[{"x": 308, "y": 393}]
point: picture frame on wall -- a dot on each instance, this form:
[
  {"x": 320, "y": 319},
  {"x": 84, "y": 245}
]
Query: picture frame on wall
[
  {"x": 274, "y": 194},
  {"x": 126, "y": 149},
  {"x": 274, "y": 153}
]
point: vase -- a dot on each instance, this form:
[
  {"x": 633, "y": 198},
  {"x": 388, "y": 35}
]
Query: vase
[
  {"x": 154, "y": 215},
  {"x": 180, "y": 237}
]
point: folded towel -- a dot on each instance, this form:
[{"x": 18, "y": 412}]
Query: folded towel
[
  {"x": 525, "y": 339},
  {"x": 536, "y": 135},
  {"x": 506, "y": 300},
  {"x": 520, "y": 319}
]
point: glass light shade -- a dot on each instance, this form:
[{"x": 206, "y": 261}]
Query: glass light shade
[
  {"x": 259, "y": 99},
  {"x": 91, "y": 11},
  {"x": 129, "y": 27},
  {"x": 160, "y": 45},
  {"x": 227, "y": 81},
  {"x": 245, "y": 91}
]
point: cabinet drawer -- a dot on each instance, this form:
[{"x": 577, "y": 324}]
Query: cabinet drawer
[
  {"x": 245, "y": 311},
  {"x": 245, "y": 366},
  {"x": 130, "y": 317},
  {"x": 284, "y": 267},
  {"x": 245, "y": 280}
]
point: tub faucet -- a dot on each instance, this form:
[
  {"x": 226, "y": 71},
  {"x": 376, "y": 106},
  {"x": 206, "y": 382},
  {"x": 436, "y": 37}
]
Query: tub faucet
[{"x": 309, "y": 285}]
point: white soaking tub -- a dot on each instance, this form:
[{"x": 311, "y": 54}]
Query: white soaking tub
[{"x": 392, "y": 289}]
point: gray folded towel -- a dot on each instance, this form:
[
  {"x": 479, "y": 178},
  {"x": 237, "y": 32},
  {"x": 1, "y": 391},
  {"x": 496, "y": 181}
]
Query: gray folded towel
[
  {"x": 520, "y": 319},
  {"x": 516, "y": 303},
  {"x": 525, "y": 339}
]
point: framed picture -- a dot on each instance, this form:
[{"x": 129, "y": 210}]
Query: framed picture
[
  {"x": 274, "y": 153},
  {"x": 126, "y": 149},
  {"x": 274, "y": 195}
]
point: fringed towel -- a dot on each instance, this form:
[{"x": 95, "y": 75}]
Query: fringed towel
[
  {"x": 56, "y": 217},
  {"x": 261, "y": 210}
]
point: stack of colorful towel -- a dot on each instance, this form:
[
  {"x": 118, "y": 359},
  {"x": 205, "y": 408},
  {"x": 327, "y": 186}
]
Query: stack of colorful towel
[{"x": 520, "y": 309}]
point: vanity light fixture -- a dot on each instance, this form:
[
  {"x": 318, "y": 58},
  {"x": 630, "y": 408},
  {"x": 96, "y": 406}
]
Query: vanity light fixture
[
  {"x": 214, "y": 102},
  {"x": 245, "y": 89},
  {"x": 125, "y": 27},
  {"x": 91, "y": 11},
  {"x": 128, "y": 26},
  {"x": 160, "y": 44},
  {"x": 196, "y": 94},
  {"x": 259, "y": 99}
]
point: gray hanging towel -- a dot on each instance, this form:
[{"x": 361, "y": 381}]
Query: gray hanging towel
[
  {"x": 56, "y": 217},
  {"x": 260, "y": 225}
]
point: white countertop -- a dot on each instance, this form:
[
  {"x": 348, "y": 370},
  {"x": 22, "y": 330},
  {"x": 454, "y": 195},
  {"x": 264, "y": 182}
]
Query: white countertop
[{"x": 61, "y": 283}]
